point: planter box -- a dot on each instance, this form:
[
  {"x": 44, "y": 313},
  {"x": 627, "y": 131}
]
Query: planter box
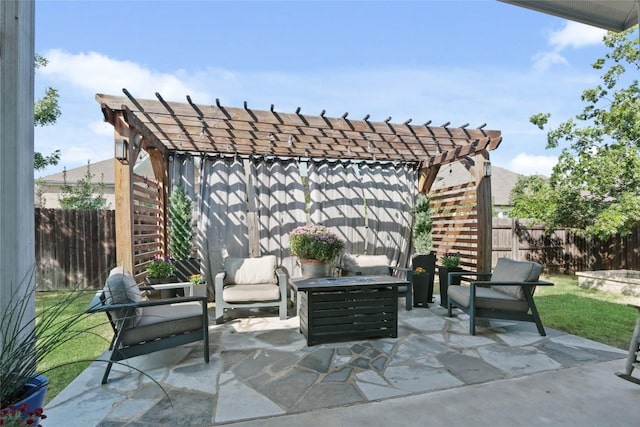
[
  {"x": 443, "y": 277},
  {"x": 423, "y": 283}
]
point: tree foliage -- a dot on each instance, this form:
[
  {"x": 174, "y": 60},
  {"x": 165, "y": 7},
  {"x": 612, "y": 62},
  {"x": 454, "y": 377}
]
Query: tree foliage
[
  {"x": 47, "y": 111},
  {"x": 181, "y": 227},
  {"x": 85, "y": 194},
  {"x": 594, "y": 187},
  {"x": 422, "y": 226}
]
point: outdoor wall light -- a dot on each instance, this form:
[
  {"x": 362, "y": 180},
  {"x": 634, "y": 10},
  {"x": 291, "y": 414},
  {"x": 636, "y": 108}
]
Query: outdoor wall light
[
  {"x": 487, "y": 168},
  {"x": 121, "y": 149}
]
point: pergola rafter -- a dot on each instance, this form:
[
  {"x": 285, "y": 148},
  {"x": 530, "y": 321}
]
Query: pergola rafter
[
  {"x": 161, "y": 128},
  {"x": 229, "y": 130}
]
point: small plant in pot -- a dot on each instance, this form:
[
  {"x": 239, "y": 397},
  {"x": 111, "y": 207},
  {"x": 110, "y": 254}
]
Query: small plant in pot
[
  {"x": 450, "y": 262},
  {"x": 315, "y": 246},
  {"x": 160, "y": 270}
]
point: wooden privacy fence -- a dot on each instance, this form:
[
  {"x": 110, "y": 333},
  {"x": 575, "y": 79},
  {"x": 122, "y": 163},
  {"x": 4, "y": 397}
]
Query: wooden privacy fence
[
  {"x": 563, "y": 251},
  {"x": 74, "y": 248}
]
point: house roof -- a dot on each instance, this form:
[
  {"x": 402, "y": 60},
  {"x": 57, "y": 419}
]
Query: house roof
[
  {"x": 175, "y": 126},
  {"x": 611, "y": 15},
  {"x": 502, "y": 181},
  {"x": 103, "y": 168}
]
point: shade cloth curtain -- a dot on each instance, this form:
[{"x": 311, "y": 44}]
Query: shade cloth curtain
[
  {"x": 280, "y": 203},
  {"x": 389, "y": 193},
  {"x": 181, "y": 172},
  {"x": 222, "y": 225},
  {"x": 337, "y": 201}
]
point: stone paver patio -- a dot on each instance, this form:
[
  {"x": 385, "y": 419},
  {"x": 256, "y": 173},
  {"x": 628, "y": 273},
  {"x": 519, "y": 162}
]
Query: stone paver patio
[{"x": 261, "y": 367}]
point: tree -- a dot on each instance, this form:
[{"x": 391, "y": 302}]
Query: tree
[
  {"x": 594, "y": 187},
  {"x": 46, "y": 111},
  {"x": 181, "y": 223},
  {"x": 85, "y": 194},
  {"x": 422, "y": 226}
]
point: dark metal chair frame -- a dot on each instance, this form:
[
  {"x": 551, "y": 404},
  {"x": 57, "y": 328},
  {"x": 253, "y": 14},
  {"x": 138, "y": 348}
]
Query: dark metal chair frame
[
  {"x": 474, "y": 312},
  {"x": 120, "y": 352}
]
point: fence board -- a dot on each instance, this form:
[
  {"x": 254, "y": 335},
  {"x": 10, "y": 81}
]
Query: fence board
[{"x": 74, "y": 248}]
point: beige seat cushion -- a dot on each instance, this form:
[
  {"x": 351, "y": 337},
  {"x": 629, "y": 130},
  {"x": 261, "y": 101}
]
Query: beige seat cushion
[
  {"x": 121, "y": 288},
  {"x": 487, "y": 298},
  {"x": 508, "y": 270},
  {"x": 250, "y": 271},
  {"x": 164, "y": 321},
  {"x": 251, "y": 293},
  {"x": 367, "y": 265}
]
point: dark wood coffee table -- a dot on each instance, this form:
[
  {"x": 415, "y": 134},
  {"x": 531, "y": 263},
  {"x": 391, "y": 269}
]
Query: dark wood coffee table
[{"x": 347, "y": 308}]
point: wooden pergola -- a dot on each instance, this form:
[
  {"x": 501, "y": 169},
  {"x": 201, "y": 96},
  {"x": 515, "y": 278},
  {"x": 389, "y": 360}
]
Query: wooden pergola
[{"x": 162, "y": 128}]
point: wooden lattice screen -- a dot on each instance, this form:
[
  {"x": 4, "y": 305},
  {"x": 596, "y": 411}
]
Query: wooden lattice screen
[
  {"x": 455, "y": 222},
  {"x": 148, "y": 224}
]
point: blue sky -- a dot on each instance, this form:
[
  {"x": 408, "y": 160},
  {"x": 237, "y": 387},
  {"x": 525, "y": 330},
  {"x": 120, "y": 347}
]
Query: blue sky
[{"x": 473, "y": 62}]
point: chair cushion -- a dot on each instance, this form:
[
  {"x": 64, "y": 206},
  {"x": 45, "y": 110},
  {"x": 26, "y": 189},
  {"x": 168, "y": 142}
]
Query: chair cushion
[
  {"x": 508, "y": 270},
  {"x": 251, "y": 293},
  {"x": 160, "y": 321},
  {"x": 487, "y": 298},
  {"x": 121, "y": 288},
  {"x": 367, "y": 265},
  {"x": 249, "y": 271}
]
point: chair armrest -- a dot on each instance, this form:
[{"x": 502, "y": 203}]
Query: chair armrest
[
  {"x": 218, "y": 282},
  {"x": 408, "y": 272},
  {"x": 464, "y": 274},
  {"x": 489, "y": 283},
  {"x": 112, "y": 307}
]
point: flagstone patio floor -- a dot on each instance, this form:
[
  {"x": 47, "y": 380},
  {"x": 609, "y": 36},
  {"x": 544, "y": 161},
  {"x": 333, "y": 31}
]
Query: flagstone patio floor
[{"x": 263, "y": 373}]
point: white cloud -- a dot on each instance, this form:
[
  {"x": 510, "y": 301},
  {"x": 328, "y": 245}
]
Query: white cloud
[
  {"x": 572, "y": 35},
  {"x": 575, "y": 35},
  {"x": 98, "y": 73},
  {"x": 527, "y": 164},
  {"x": 500, "y": 97}
]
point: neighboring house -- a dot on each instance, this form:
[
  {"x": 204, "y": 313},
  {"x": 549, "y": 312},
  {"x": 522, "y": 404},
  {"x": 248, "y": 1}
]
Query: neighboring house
[
  {"x": 502, "y": 181},
  {"x": 49, "y": 188}
]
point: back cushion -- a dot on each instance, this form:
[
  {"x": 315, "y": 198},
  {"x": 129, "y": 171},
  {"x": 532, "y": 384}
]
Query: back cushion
[
  {"x": 367, "y": 265},
  {"x": 508, "y": 270},
  {"x": 121, "y": 288},
  {"x": 249, "y": 271}
]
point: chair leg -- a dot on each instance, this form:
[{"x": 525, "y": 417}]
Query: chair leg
[
  {"x": 283, "y": 309},
  {"x": 534, "y": 313},
  {"x": 472, "y": 309},
  {"x": 219, "y": 314},
  {"x": 408, "y": 301},
  {"x": 105, "y": 377}
]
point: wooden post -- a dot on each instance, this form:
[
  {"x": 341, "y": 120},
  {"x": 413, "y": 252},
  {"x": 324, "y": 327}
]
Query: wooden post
[
  {"x": 482, "y": 174},
  {"x": 123, "y": 174}
]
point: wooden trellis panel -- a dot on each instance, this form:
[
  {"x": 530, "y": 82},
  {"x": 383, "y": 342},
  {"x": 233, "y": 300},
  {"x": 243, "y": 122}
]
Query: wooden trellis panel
[
  {"x": 455, "y": 222},
  {"x": 149, "y": 235}
]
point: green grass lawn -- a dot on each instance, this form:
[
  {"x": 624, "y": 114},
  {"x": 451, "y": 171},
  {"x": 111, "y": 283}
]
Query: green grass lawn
[
  {"x": 65, "y": 363},
  {"x": 593, "y": 314}
]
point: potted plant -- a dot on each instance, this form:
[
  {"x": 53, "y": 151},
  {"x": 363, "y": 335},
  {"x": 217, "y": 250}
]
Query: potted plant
[
  {"x": 27, "y": 336},
  {"x": 199, "y": 286},
  {"x": 315, "y": 246},
  {"x": 424, "y": 259},
  {"x": 181, "y": 234},
  {"x": 450, "y": 262},
  {"x": 160, "y": 270}
]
